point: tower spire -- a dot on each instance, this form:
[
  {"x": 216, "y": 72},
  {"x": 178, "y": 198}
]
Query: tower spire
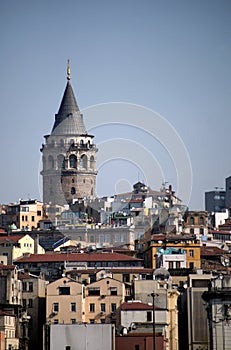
[{"x": 68, "y": 70}]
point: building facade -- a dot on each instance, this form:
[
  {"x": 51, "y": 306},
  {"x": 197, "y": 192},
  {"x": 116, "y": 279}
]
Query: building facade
[
  {"x": 68, "y": 155},
  {"x": 24, "y": 215}
]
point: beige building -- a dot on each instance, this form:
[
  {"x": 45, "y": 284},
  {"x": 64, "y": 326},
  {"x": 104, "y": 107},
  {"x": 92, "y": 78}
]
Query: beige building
[
  {"x": 103, "y": 301},
  {"x": 65, "y": 301},
  {"x": 70, "y": 302},
  {"x": 34, "y": 304},
  {"x": 165, "y": 298},
  {"x": 8, "y": 326},
  {"x": 10, "y": 286},
  {"x": 15, "y": 246},
  {"x": 124, "y": 275}
]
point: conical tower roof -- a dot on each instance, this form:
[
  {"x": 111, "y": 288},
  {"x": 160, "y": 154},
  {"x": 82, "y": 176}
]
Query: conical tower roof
[{"x": 68, "y": 120}]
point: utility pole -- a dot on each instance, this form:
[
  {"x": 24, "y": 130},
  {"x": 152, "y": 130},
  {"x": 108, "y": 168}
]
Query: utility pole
[{"x": 153, "y": 295}]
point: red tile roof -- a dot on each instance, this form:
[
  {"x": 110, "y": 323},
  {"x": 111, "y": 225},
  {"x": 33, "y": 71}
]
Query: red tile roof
[
  {"x": 12, "y": 238},
  {"x": 212, "y": 251},
  {"x": 6, "y": 313},
  {"x": 137, "y": 305},
  {"x": 82, "y": 257},
  {"x": 128, "y": 270},
  {"x": 221, "y": 232},
  {"x": 7, "y": 267}
]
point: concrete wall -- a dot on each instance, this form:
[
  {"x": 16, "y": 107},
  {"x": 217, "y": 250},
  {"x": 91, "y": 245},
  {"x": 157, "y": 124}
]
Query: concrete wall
[{"x": 82, "y": 337}]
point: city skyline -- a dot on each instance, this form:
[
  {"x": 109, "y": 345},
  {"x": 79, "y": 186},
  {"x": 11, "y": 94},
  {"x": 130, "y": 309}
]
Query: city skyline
[{"x": 171, "y": 58}]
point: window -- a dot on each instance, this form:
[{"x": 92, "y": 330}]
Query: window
[
  {"x": 24, "y": 303},
  {"x": 201, "y": 231},
  {"x": 32, "y": 218},
  {"x": 92, "y": 307},
  {"x": 73, "y": 191},
  {"x": 92, "y": 162},
  {"x": 192, "y": 230},
  {"x": 50, "y": 162},
  {"x": 73, "y": 320},
  {"x": 64, "y": 290},
  {"x": 83, "y": 161},
  {"x": 113, "y": 307},
  {"x": 22, "y": 217},
  {"x": 39, "y": 213},
  {"x": 113, "y": 290},
  {"x": 201, "y": 220},
  {"x": 137, "y": 347},
  {"x": 92, "y": 321},
  {"x": 93, "y": 291},
  {"x": 73, "y": 307},
  {"x": 68, "y": 347},
  {"x": 117, "y": 237},
  {"x": 191, "y": 265},
  {"x": 30, "y": 286},
  {"x": 102, "y": 307},
  {"x": 191, "y": 220},
  {"x": 30, "y": 303},
  {"x": 191, "y": 253},
  {"x": 56, "y": 307},
  {"x": 24, "y": 285},
  {"x": 61, "y": 161},
  {"x": 103, "y": 321},
  {"x": 149, "y": 316},
  {"x": 126, "y": 277},
  {"x": 56, "y": 321},
  {"x": 73, "y": 161}
]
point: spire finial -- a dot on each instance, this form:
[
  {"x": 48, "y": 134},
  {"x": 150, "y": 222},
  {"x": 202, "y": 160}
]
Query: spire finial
[{"x": 68, "y": 70}]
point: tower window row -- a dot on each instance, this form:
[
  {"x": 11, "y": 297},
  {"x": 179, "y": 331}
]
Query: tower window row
[{"x": 72, "y": 162}]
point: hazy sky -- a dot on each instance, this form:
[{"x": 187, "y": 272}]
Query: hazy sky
[{"x": 171, "y": 57}]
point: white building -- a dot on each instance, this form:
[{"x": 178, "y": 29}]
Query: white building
[{"x": 82, "y": 336}]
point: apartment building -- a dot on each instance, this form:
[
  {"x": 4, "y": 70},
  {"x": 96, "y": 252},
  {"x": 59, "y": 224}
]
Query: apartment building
[
  {"x": 188, "y": 247},
  {"x": 15, "y": 246},
  {"x": 103, "y": 301},
  {"x": 24, "y": 215},
  {"x": 34, "y": 304},
  {"x": 64, "y": 301}
]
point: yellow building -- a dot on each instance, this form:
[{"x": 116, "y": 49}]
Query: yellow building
[
  {"x": 24, "y": 215},
  {"x": 15, "y": 246},
  {"x": 189, "y": 244}
]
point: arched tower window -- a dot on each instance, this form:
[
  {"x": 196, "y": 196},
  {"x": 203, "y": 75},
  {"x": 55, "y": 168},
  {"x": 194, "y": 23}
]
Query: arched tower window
[
  {"x": 61, "y": 161},
  {"x": 62, "y": 143},
  {"x": 73, "y": 161},
  {"x": 50, "y": 162},
  {"x": 201, "y": 220},
  {"x": 83, "y": 161},
  {"x": 73, "y": 191},
  {"x": 44, "y": 163},
  {"x": 92, "y": 162},
  {"x": 72, "y": 142}
]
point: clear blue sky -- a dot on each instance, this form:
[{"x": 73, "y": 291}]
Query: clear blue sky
[{"x": 173, "y": 57}]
